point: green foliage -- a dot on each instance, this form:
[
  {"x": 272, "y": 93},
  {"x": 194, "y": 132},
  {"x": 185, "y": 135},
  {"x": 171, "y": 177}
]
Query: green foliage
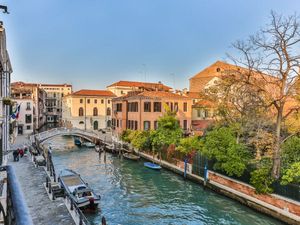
[
  {"x": 187, "y": 145},
  {"x": 141, "y": 140},
  {"x": 261, "y": 178},
  {"x": 125, "y": 135},
  {"x": 291, "y": 161},
  {"x": 292, "y": 174},
  {"x": 221, "y": 144},
  {"x": 168, "y": 131}
]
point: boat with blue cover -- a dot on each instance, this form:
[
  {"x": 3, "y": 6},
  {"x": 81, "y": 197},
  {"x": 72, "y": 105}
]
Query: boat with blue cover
[
  {"x": 152, "y": 166},
  {"x": 77, "y": 141}
]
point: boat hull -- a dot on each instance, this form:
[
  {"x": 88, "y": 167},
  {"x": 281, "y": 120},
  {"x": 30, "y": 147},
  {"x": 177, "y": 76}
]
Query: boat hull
[
  {"x": 152, "y": 166},
  {"x": 131, "y": 156}
]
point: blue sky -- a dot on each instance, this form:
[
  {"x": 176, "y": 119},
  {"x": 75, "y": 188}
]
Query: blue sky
[{"x": 94, "y": 43}]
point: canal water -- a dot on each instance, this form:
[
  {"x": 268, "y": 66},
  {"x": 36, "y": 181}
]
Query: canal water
[{"x": 134, "y": 195}]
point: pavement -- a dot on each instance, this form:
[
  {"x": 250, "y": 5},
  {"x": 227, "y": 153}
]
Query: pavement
[{"x": 42, "y": 210}]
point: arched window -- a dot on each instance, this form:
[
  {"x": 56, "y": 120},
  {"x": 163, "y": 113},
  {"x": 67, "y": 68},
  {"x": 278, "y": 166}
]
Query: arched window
[
  {"x": 95, "y": 111},
  {"x": 108, "y": 111},
  {"x": 80, "y": 113}
]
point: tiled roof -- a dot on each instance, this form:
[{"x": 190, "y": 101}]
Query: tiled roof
[
  {"x": 20, "y": 83},
  {"x": 146, "y": 85},
  {"x": 204, "y": 103},
  {"x": 85, "y": 92},
  {"x": 193, "y": 94},
  {"x": 161, "y": 94}
]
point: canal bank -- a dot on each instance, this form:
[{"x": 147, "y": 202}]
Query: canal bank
[
  {"x": 283, "y": 209},
  {"x": 133, "y": 194}
]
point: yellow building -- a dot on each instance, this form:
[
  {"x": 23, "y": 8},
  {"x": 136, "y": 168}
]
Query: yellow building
[{"x": 88, "y": 109}]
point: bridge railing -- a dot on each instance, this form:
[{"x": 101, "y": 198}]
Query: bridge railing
[{"x": 16, "y": 212}]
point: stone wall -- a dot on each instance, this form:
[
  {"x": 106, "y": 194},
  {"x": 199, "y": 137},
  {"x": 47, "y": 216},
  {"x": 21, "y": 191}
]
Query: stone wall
[{"x": 277, "y": 201}]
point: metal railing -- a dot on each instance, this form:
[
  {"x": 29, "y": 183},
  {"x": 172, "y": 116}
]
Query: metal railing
[{"x": 17, "y": 212}]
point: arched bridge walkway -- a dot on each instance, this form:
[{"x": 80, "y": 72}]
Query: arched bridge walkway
[{"x": 43, "y": 136}]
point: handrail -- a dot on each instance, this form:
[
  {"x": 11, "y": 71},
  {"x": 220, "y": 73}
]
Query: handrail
[{"x": 15, "y": 200}]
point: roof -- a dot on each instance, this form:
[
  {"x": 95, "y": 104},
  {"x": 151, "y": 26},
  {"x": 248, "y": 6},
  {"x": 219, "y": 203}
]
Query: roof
[
  {"x": 20, "y": 83},
  {"x": 85, "y": 92},
  {"x": 145, "y": 85},
  {"x": 152, "y": 94},
  {"x": 193, "y": 94},
  {"x": 204, "y": 104}
]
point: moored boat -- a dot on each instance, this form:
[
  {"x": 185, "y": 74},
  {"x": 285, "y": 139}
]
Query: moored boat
[
  {"x": 82, "y": 195},
  {"x": 131, "y": 156},
  {"x": 77, "y": 141},
  {"x": 152, "y": 166},
  {"x": 89, "y": 144}
]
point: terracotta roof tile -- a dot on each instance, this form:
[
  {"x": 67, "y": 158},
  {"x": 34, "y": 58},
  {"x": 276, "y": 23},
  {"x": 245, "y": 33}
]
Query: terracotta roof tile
[
  {"x": 161, "y": 94},
  {"x": 145, "y": 85},
  {"x": 85, "y": 92}
]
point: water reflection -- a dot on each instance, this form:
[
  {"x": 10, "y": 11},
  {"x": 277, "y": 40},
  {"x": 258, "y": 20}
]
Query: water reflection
[{"x": 133, "y": 194}]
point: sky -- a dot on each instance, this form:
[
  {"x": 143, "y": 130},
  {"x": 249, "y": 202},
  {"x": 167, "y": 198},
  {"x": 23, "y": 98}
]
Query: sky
[{"x": 93, "y": 43}]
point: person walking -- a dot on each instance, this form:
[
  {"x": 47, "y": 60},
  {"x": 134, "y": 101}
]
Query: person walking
[{"x": 16, "y": 155}]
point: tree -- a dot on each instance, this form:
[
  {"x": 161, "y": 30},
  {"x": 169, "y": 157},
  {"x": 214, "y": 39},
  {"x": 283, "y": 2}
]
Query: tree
[
  {"x": 141, "y": 140},
  {"x": 188, "y": 145},
  {"x": 168, "y": 131},
  {"x": 272, "y": 62},
  {"x": 221, "y": 144}
]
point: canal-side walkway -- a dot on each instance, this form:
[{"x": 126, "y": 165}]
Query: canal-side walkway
[{"x": 42, "y": 210}]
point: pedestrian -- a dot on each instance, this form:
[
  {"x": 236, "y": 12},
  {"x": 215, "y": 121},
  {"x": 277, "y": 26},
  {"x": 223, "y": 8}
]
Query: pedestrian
[
  {"x": 21, "y": 152},
  {"x": 16, "y": 155}
]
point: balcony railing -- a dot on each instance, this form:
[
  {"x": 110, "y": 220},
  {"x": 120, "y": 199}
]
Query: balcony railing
[{"x": 15, "y": 212}]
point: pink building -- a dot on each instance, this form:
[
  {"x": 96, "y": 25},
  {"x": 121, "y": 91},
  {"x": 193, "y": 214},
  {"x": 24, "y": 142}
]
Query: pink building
[{"x": 141, "y": 110}]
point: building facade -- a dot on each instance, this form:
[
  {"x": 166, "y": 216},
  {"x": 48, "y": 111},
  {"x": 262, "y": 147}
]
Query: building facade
[
  {"x": 122, "y": 88},
  {"x": 21, "y": 90},
  {"x": 88, "y": 109},
  {"x": 141, "y": 110},
  {"x": 53, "y": 100},
  {"x": 5, "y": 71}
]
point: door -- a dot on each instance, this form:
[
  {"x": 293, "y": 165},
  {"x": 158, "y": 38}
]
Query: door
[
  {"x": 20, "y": 129},
  {"x": 96, "y": 125}
]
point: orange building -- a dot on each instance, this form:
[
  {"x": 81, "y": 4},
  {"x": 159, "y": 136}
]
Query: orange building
[{"x": 141, "y": 110}]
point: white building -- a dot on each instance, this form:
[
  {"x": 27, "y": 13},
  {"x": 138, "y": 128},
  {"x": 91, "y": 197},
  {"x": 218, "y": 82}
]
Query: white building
[
  {"x": 88, "y": 109},
  {"x": 24, "y": 122}
]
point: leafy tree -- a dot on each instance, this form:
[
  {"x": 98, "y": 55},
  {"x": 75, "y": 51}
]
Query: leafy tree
[
  {"x": 168, "y": 131},
  {"x": 188, "y": 145},
  {"x": 291, "y": 160},
  {"x": 141, "y": 140},
  {"x": 261, "y": 178},
  {"x": 221, "y": 144},
  {"x": 125, "y": 135}
]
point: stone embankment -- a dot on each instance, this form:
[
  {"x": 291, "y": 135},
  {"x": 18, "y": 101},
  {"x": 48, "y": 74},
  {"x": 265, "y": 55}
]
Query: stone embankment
[{"x": 281, "y": 208}]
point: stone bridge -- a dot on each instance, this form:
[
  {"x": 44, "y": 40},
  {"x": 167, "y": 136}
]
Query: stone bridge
[{"x": 62, "y": 131}]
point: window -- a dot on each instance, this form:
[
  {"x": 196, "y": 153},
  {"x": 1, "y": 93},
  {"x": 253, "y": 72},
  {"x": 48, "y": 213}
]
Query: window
[
  {"x": 95, "y": 101},
  {"x": 147, "y": 106},
  {"x": 122, "y": 92},
  {"x": 185, "y": 124},
  {"x": 146, "y": 125},
  {"x": 157, "y": 106},
  {"x": 185, "y": 107},
  {"x": 135, "y": 125},
  {"x": 117, "y": 123},
  {"x": 218, "y": 69},
  {"x": 28, "y": 118},
  {"x": 198, "y": 112},
  {"x": 95, "y": 111},
  {"x": 102, "y": 101},
  {"x": 108, "y": 101},
  {"x": 206, "y": 113},
  {"x": 108, "y": 111},
  {"x": 81, "y": 100},
  {"x": 80, "y": 111},
  {"x": 81, "y": 122},
  {"x": 28, "y": 127},
  {"x": 133, "y": 107},
  {"x": 171, "y": 106},
  {"x": 155, "y": 125},
  {"x": 28, "y": 106},
  {"x": 119, "y": 107},
  {"x": 88, "y": 101},
  {"x": 176, "y": 106}
]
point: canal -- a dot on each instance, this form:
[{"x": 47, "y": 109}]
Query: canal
[{"x": 132, "y": 194}]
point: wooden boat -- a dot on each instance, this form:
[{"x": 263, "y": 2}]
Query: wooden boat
[
  {"x": 131, "y": 156},
  {"x": 89, "y": 144},
  {"x": 152, "y": 166},
  {"x": 82, "y": 195},
  {"x": 77, "y": 141}
]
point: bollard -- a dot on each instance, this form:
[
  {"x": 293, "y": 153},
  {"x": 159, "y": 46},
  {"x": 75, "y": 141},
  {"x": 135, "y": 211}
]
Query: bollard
[
  {"x": 47, "y": 182},
  {"x": 49, "y": 187},
  {"x": 72, "y": 207}
]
